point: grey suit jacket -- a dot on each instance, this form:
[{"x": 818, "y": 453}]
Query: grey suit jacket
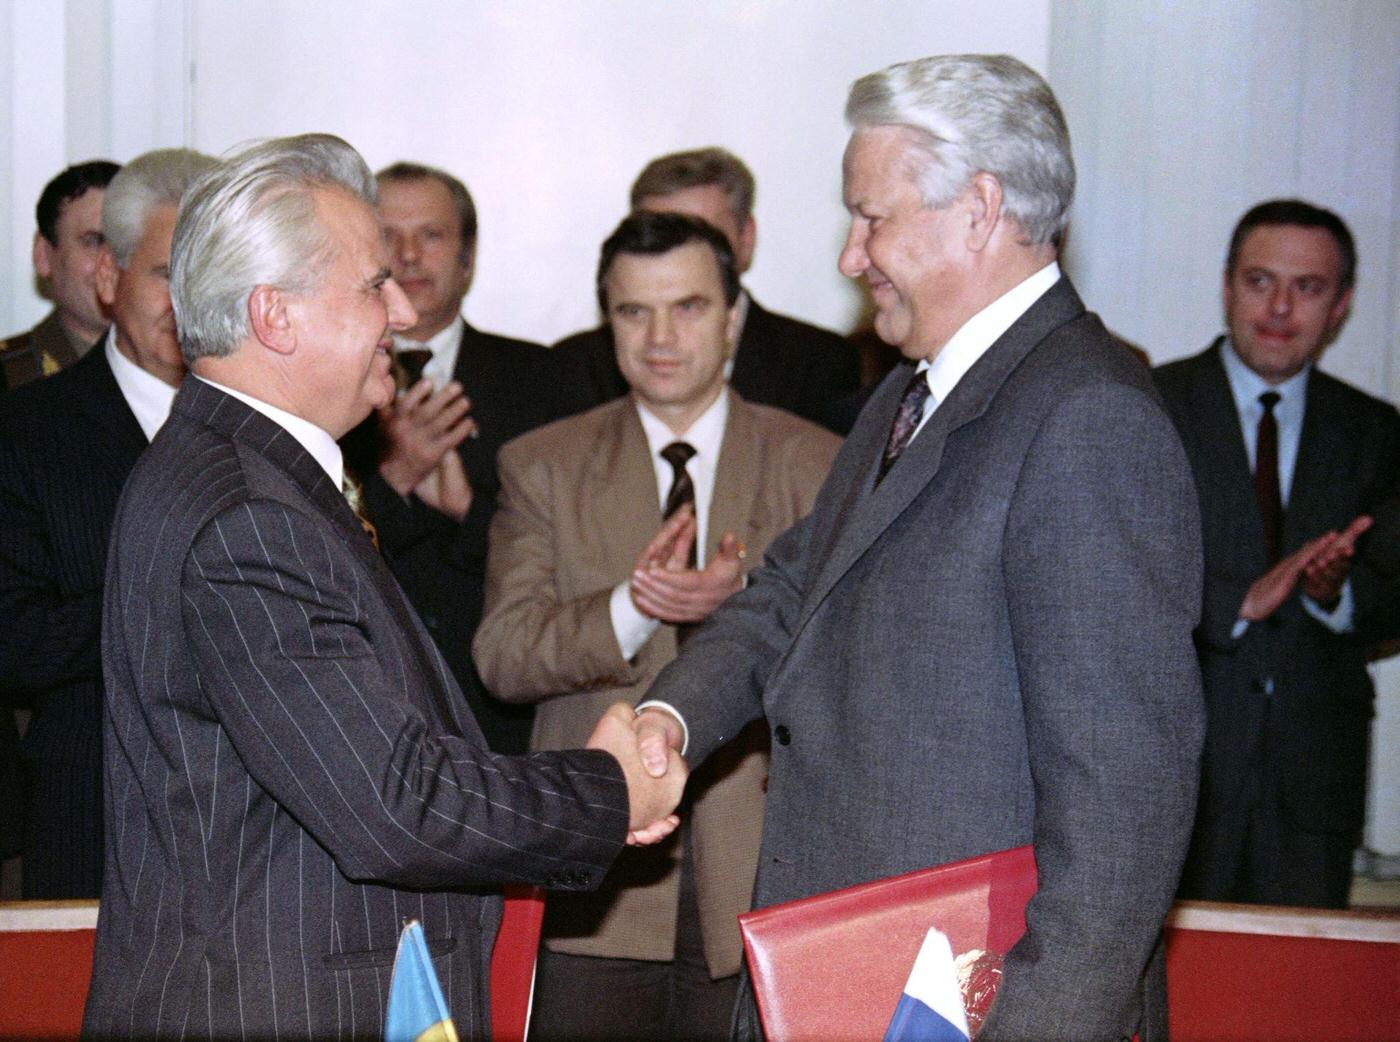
[
  {"x": 579, "y": 503},
  {"x": 291, "y": 770},
  {"x": 991, "y": 648},
  {"x": 1313, "y": 729}
]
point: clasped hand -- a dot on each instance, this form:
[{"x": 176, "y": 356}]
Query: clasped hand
[
  {"x": 423, "y": 429},
  {"x": 1320, "y": 566},
  {"x": 654, "y": 783},
  {"x": 664, "y": 587}
]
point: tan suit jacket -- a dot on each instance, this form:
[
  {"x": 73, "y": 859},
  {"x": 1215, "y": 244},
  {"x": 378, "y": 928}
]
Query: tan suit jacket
[
  {"x": 578, "y": 503},
  {"x": 42, "y": 351}
]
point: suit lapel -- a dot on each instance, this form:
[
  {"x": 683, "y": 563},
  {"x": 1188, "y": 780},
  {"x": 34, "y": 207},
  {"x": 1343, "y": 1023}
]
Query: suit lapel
[
  {"x": 98, "y": 397},
  {"x": 1325, "y": 427},
  {"x": 621, "y": 476},
  {"x": 871, "y": 510},
  {"x": 735, "y": 505},
  {"x": 235, "y": 419},
  {"x": 1229, "y": 485}
]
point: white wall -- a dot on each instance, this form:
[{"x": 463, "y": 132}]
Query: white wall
[
  {"x": 547, "y": 110},
  {"x": 1187, "y": 112}
]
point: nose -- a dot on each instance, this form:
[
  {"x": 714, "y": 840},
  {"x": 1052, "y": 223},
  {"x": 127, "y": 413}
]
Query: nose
[
  {"x": 401, "y": 313},
  {"x": 407, "y": 248},
  {"x": 1281, "y": 300},
  {"x": 661, "y": 331},
  {"x": 853, "y": 260}
]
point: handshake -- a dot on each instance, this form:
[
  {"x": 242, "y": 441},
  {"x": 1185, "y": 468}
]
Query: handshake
[{"x": 647, "y": 745}]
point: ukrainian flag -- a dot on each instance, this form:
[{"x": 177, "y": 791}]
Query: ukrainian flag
[{"x": 417, "y": 1012}]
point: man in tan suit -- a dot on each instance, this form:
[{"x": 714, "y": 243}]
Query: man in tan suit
[{"x": 588, "y": 590}]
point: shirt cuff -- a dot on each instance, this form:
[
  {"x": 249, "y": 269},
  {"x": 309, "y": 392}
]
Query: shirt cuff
[
  {"x": 656, "y": 703},
  {"x": 631, "y": 628},
  {"x": 1339, "y": 620},
  {"x": 1241, "y": 626}
]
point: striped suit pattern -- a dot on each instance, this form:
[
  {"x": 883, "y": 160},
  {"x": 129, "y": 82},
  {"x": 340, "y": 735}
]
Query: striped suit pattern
[{"x": 291, "y": 769}]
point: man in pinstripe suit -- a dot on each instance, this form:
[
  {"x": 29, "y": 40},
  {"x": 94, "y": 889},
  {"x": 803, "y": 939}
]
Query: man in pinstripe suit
[{"x": 292, "y": 771}]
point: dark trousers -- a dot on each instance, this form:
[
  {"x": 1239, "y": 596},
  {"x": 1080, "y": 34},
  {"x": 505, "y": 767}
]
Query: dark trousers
[
  {"x": 1258, "y": 854},
  {"x": 579, "y": 998}
]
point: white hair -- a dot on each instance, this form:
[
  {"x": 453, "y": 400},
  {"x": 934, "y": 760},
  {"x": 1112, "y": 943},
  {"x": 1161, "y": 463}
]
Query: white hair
[
  {"x": 252, "y": 222},
  {"x": 974, "y": 113},
  {"x": 150, "y": 180}
]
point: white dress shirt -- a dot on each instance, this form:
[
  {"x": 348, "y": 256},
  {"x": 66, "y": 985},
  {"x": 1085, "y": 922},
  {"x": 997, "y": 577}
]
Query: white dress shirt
[
  {"x": 978, "y": 334},
  {"x": 313, "y": 439},
  {"x": 444, "y": 345},
  {"x": 148, "y": 397},
  {"x": 705, "y": 435},
  {"x": 1245, "y": 388}
]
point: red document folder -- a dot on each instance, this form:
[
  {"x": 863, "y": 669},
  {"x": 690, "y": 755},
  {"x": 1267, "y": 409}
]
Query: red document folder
[{"x": 833, "y": 966}]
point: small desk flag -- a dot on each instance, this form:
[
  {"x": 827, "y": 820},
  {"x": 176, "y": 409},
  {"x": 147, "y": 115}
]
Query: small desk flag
[
  {"x": 417, "y": 1012},
  {"x": 931, "y": 1008}
]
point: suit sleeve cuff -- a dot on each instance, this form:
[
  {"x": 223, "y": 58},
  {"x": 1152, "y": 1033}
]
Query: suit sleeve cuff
[
  {"x": 631, "y": 628},
  {"x": 1339, "y": 620},
  {"x": 656, "y": 703}
]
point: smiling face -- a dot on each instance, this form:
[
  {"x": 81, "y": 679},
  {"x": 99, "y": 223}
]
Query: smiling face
[
  {"x": 1283, "y": 298},
  {"x": 430, "y": 262},
  {"x": 344, "y": 328},
  {"x": 913, "y": 257},
  {"x": 70, "y": 264},
  {"x": 671, "y": 329},
  {"x": 138, "y": 297}
]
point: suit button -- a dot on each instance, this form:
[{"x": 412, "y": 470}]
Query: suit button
[
  {"x": 782, "y": 734},
  {"x": 431, "y": 621}
]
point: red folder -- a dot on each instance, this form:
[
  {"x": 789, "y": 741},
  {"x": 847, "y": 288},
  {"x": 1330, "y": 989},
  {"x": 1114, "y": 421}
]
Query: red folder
[{"x": 833, "y": 966}]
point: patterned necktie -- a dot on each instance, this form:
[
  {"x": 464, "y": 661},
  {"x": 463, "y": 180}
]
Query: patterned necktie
[
  {"x": 906, "y": 422},
  {"x": 678, "y": 453},
  {"x": 1266, "y": 484},
  {"x": 355, "y": 496}
]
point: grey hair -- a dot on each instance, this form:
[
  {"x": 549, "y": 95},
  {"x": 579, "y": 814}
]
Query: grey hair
[
  {"x": 150, "y": 180},
  {"x": 252, "y": 222},
  {"x": 695, "y": 169},
  {"x": 974, "y": 113}
]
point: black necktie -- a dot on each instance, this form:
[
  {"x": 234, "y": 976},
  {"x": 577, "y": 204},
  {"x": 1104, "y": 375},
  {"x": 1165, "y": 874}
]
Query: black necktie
[
  {"x": 1266, "y": 485},
  {"x": 677, "y": 454},
  {"x": 906, "y": 421}
]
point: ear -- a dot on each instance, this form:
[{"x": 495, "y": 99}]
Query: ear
[
  {"x": 43, "y": 256},
  {"x": 105, "y": 277},
  {"x": 748, "y": 239},
  {"x": 731, "y": 331},
  {"x": 271, "y": 320},
  {"x": 984, "y": 209},
  {"x": 1338, "y": 314}
]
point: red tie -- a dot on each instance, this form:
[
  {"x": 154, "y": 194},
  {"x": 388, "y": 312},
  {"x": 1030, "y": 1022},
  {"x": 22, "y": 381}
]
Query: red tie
[
  {"x": 1266, "y": 486},
  {"x": 906, "y": 421}
]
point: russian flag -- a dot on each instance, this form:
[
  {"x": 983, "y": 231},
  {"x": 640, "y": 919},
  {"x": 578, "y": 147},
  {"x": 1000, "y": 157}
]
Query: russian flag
[
  {"x": 417, "y": 1012},
  {"x": 931, "y": 1008}
]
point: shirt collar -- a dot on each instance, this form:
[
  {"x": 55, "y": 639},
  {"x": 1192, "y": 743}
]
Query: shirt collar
[
  {"x": 313, "y": 439},
  {"x": 1246, "y": 385},
  {"x": 443, "y": 344},
  {"x": 704, "y": 435},
  {"x": 983, "y": 329},
  {"x": 148, "y": 396}
]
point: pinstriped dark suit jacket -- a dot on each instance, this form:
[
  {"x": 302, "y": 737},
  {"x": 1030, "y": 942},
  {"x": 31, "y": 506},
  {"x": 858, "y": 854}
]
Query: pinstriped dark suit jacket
[{"x": 291, "y": 769}]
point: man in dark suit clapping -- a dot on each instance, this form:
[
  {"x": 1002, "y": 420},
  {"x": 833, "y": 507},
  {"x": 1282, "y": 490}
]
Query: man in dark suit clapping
[{"x": 291, "y": 769}]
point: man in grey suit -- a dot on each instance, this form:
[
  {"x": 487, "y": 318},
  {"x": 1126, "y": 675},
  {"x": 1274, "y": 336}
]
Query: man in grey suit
[
  {"x": 981, "y": 636},
  {"x": 291, "y": 770},
  {"x": 1289, "y": 464}
]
